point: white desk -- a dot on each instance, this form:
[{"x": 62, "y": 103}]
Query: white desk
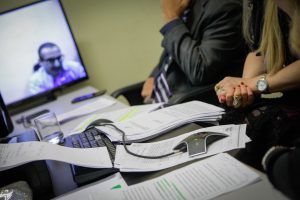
[
  {"x": 63, "y": 104},
  {"x": 62, "y": 178}
]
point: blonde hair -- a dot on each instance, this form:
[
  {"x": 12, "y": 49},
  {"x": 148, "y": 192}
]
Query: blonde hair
[
  {"x": 272, "y": 42},
  {"x": 295, "y": 30}
]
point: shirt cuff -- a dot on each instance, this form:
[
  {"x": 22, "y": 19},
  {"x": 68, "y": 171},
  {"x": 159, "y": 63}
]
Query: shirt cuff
[{"x": 170, "y": 25}]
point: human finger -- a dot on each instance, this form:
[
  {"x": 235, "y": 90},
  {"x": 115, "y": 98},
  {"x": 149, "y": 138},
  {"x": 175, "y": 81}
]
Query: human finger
[
  {"x": 237, "y": 97},
  {"x": 251, "y": 96},
  {"x": 148, "y": 87},
  {"x": 244, "y": 94},
  {"x": 229, "y": 96},
  {"x": 217, "y": 87},
  {"x": 221, "y": 95}
]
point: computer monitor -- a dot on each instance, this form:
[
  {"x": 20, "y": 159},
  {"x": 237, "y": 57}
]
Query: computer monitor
[{"x": 38, "y": 53}]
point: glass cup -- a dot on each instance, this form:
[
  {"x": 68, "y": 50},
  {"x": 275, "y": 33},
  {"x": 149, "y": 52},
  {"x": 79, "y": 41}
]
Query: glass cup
[{"x": 48, "y": 128}]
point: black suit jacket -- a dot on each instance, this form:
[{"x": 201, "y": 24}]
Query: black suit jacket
[{"x": 208, "y": 47}]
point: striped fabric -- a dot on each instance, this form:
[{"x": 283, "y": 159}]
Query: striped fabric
[{"x": 162, "y": 92}]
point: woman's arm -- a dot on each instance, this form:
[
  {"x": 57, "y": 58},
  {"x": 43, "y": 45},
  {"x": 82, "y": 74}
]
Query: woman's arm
[
  {"x": 254, "y": 66},
  {"x": 286, "y": 79}
]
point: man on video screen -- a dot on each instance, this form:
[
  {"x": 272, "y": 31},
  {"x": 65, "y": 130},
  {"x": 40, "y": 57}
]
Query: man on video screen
[{"x": 53, "y": 70}]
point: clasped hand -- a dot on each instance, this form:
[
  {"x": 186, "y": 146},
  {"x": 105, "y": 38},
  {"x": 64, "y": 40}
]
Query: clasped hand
[{"x": 234, "y": 92}]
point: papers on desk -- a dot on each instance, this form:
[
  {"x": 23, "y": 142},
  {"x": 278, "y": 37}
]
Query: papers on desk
[
  {"x": 86, "y": 109},
  {"x": 125, "y": 162},
  {"x": 118, "y": 115},
  {"x": 12, "y": 155},
  {"x": 202, "y": 180},
  {"x": 149, "y": 125}
]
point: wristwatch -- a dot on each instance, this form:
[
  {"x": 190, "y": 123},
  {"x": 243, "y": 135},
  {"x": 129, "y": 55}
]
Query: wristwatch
[{"x": 262, "y": 84}]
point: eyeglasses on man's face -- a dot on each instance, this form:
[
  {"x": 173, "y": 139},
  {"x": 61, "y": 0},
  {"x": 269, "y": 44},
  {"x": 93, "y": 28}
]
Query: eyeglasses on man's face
[{"x": 54, "y": 60}]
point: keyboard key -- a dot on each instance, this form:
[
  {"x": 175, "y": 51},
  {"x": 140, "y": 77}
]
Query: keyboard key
[{"x": 91, "y": 138}]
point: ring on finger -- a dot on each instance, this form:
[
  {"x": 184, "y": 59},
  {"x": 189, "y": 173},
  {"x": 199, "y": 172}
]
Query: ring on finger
[
  {"x": 237, "y": 101},
  {"x": 217, "y": 88}
]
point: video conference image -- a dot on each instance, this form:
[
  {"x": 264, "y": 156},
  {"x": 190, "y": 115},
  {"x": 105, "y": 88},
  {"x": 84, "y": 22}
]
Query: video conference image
[{"x": 38, "y": 52}]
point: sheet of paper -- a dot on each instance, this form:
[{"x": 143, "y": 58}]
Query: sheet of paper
[
  {"x": 118, "y": 115},
  {"x": 86, "y": 109},
  {"x": 202, "y": 180},
  {"x": 125, "y": 162},
  {"x": 149, "y": 125},
  {"x": 12, "y": 155},
  {"x": 111, "y": 183}
]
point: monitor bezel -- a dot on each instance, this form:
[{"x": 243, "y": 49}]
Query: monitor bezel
[{"x": 49, "y": 94}]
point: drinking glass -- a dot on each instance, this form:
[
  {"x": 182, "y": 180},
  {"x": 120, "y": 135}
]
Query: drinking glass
[{"x": 48, "y": 128}]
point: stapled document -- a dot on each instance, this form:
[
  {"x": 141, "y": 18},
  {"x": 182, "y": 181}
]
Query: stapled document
[
  {"x": 119, "y": 115},
  {"x": 150, "y": 125}
]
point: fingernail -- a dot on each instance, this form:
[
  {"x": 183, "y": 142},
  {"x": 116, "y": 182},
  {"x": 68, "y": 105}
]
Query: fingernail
[{"x": 242, "y": 83}]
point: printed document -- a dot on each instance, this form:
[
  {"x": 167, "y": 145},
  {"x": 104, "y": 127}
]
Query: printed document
[
  {"x": 125, "y": 162},
  {"x": 119, "y": 115},
  {"x": 202, "y": 180},
  {"x": 149, "y": 125},
  {"x": 12, "y": 155}
]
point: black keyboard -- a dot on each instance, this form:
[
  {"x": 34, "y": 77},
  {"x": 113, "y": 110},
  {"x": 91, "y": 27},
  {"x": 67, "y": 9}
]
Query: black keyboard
[{"x": 91, "y": 138}]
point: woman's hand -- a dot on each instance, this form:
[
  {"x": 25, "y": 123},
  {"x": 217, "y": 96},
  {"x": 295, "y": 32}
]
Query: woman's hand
[{"x": 234, "y": 92}]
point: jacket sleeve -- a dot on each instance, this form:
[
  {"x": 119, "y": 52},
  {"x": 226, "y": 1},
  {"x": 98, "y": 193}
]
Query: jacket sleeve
[
  {"x": 203, "y": 56},
  {"x": 283, "y": 170}
]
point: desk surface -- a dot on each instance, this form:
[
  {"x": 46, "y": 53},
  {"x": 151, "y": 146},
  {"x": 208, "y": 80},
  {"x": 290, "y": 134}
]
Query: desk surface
[
  {"x": 62, "y": 179},
  {"x": 63, "y": 104}
]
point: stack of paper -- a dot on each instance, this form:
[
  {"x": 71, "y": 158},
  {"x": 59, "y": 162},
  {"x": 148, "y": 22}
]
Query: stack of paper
[
  {"x": 202, "y": 180},
  {"x": 119, "y": 115},
  {"x": 125, "y": 162},
  {"x": 149, "y": 125}
]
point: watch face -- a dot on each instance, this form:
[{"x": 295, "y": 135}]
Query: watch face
[{"x": 262, "y": 85}]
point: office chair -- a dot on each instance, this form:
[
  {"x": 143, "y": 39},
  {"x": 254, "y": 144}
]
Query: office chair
[{"x": 132, "y": 94}]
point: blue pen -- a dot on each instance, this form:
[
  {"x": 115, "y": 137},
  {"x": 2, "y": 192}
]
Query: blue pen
[{"x": 88, "y": 96}]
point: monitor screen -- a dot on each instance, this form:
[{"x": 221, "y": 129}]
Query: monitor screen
[{"x": 38, "y": 53}]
